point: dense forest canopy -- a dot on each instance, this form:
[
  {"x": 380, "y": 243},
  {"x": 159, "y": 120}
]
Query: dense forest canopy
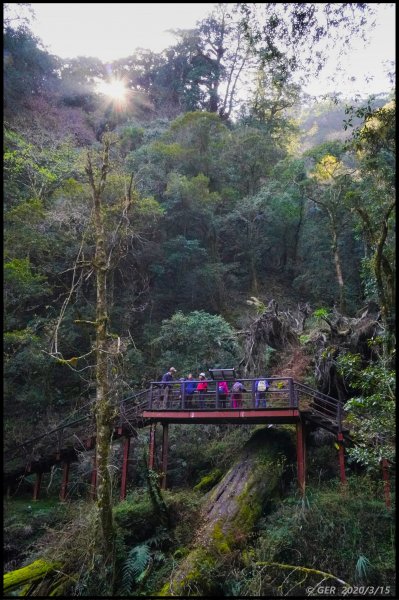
[{"x": 207, "y": 192}]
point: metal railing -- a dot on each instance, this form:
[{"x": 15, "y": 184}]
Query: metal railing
[
  {"x": 176, "y": 396},
  {"x": 319, "y": 404},
  {"x": 282, "y": 393}
]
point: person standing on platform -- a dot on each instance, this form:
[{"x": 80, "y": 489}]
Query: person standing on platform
[
  {"x": 261, "y": 386},
  {"x": 223, "y": 391},
  {"x": 236, "y": 394},
  {"x": 190, "y": 387},
  {"x": 167, "y": 387},
  {"x": 202, "y": 388}
]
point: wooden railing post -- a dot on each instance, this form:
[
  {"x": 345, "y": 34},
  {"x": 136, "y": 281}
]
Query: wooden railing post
[
  {"x": 217, "y": 395},
  {"x": 125, "y": 464},
  {"x": 150, "y": 402}
]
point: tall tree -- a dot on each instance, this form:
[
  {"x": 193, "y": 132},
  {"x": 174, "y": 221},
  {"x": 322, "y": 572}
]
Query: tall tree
[
  {"x": 372, "y": 199},
  {"x": 331, "y": 180},
  {"x": 103, "y": 406}
]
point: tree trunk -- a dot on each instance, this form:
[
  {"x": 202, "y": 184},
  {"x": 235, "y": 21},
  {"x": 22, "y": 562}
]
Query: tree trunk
[
  {"x": 338, "y": 270},
  {"x": 104, "y": 535},
  {"x": 230, "y": 512}
]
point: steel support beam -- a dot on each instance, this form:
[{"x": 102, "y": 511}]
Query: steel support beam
[
  {"x": 300, "y": 453},
  {"x": 126, "y": 449},
  {"x": 165, "y": 432},
  {"x": 151, "y": 451},
  {"x": 341, "y": 457}
]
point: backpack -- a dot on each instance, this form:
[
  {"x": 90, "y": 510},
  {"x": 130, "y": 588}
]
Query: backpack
[
  {"x": 262, "y": 385},
  {"x": 236, "y": 387},
  {"x": 221, "y": 389}
]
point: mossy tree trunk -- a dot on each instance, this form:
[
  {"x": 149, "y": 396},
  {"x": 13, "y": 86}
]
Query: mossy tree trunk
[
  {"x": 230, "y": 512},
  {"x": 104, "y": 535}
]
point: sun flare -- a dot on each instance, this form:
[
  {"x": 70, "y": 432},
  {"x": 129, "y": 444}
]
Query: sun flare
[{"x": 114, "y": 89}]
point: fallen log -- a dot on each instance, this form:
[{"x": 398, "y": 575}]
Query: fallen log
[{"x": 230, "y": 511}]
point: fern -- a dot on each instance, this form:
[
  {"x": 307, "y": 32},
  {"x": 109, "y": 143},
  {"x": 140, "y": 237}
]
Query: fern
[
  {"x": 161, "y": 535},
  {"x": 135, "y": 566},
  {"x": 362, "y": 569}
]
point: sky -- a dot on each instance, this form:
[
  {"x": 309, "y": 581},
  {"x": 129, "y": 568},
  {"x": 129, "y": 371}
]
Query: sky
[{"x": 111, "y": 31}]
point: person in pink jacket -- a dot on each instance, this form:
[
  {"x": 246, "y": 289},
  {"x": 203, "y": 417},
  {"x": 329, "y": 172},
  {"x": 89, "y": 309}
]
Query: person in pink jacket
[{"x": 223, "y": 390}]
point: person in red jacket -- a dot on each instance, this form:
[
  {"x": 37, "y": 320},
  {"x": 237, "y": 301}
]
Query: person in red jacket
[{"x": 202, "y": 389}]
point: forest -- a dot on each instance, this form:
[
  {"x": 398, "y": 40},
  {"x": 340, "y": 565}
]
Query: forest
[{"x": 195, "y": 208}]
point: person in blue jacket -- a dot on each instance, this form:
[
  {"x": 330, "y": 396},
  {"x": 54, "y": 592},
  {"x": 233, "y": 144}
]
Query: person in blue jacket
[{"x": 190, "y": 387}]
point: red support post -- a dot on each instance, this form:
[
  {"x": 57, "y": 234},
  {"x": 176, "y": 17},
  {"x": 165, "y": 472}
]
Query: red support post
[
  {"x": 93, "y": 485},
  {"x": 64, "y": 483},
  {"x": 126, "y": 448},
  {"x": 300, "y": 453},
  {"x": 151, "y": 452},
  {"x": 36, "y": 489},
  {"x": 164, "y": 454},
  {"x": 387, "y": 485},
  {"x": 341, "y": 457}
]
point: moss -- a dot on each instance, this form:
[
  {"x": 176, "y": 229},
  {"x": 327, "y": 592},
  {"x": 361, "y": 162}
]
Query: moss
[
  {"x": 197, "y": 579},
  {"x": 33, "y": 572},
  {"x": 208, "y": 481},
  {"x": 219, "y": 540}
]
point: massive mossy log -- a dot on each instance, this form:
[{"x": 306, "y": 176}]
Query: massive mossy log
[
  {"x": 30, "y": 574},
  {"x": 230, "y": 512}
]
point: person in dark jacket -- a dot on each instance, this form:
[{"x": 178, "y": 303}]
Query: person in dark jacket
[
  {"x": 190, "y": 387},
  {"x": 167, "y": 387}
]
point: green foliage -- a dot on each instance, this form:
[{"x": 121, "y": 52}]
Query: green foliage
[
  {"x": 134, "y": 567},
  {"x": 321, "y": 313},
  {"x": 18, "y": 275},
  {"x": 355, "y": 532},
  {"x": 195, "y": 342},
  {"x": 371, "y": 412},
  {"x": 136, "y": 517}
]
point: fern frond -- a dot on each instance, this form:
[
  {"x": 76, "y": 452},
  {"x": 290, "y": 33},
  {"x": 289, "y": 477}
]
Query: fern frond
[
  {"x": 134, "y": 566},
  {"x": 161, "y": 535}
]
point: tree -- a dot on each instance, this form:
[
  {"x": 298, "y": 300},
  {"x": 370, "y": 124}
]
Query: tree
[
  {"x": 371, "y": 411},
  {"x": 224, "y": 46},
  {"x": 29, "y": 71},
  {"x": 103, "y": 408},
  {"x": 330, "y": 183},
  {"x": 196, "y": 342},
  {"x": 298, "y": 35},
  {"x": 372, "y": 200}
]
